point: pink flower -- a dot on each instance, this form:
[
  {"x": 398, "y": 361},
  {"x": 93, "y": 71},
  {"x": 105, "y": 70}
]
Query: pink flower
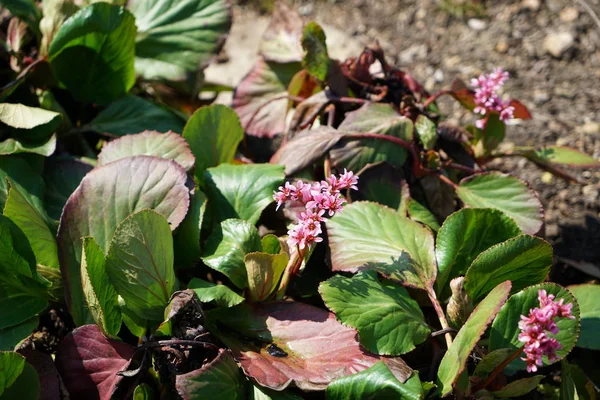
[
  {"x": 486, "y": 98},
  {"x": 536, "y": 326}
]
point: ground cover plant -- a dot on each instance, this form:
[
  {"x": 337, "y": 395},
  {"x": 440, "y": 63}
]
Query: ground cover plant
[{"x": 330, "y": 235}]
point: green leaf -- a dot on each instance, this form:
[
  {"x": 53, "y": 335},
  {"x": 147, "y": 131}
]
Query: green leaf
[
  {"x": 62, "y": 176},
  {"x": 11, "y": 366},
  {"x": 262, "y": 393},
  {"x": 220, "y": 379},
  {"x": 464, "y": 235},
  {"x": 264, "y": 271},
  {"x": 587, "y": 297},
  {"x": 132, "y": 114},
  {"x": 241, "y": 191},
  {"x": 561, "y": 155},
  {"x": 455, "y": 359},
  {"x": 377, "y": 118},
  {"x": 143, "y": 392},
  {"x": 426, "y": 131},
  {"x": 260, "y": 100},
  {"x": 135, "y": 323},
  {"x": 505, "y": 329},
  {"x": 186, "y": 239},
  {"x": 41, "y": 238},
  {"x": 12, "y": 146},
  {"x": 169, "y": 146},
  {"x": 93, "y": 53},
  {"x": 271, "y": 244},
  {"x": 493, "y": 133},
  {"x": 574, "y": 384},
  {"x": 176, "y": 37},
  {"x": 520, "y": 387},
  {"x": 421, "y": 214},
  {"x": 505, "y": 193},
  {"x": 29, "y": 124},
  {"x": 11, "y": 336},
  {"x": 316, "y": 60},
  {"x": 376, "y": 382},
  {"x": 27, "y": 10},
  {"x": 100, "y": 295},
  {"x": 525, "y": 260},
  {"x": 214, "y": 133},
  {"x": 490, "y": 361},
  {"x": 105, "y": 197},
  {"x": 220, "y": 294},
  {"x": 227, "y": 246},
  {"x": 26, "y": 386},
  {"x": 388, "y": 321},
  {"x": 372, "y": 235},
  {"x": 139, "y": 263},
  {"x": 55, "y": 13}
]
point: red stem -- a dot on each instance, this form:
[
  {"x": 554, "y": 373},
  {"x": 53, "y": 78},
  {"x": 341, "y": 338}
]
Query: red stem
[
  {"x": 434, "y": 97},
  {"x": 497, "y": 370}
]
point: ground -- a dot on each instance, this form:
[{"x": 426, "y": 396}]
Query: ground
[{"x": 551, "y": 48}]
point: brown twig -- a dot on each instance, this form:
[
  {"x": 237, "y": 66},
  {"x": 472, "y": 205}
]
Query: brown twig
[{"x": 441, "y": 316}]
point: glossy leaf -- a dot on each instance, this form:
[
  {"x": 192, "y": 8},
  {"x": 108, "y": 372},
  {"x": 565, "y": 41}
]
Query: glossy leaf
[
  {"x": 11, "y": 366},
  {"x": 372, "y": 236},
  {"x": 426, "y": 131},
  {"x": 264, "y": 272},
  {"x": 376, "y": 382},
  {"x": 490, "y": 361},
  {"x": 143, "y": 392},
  {"x": 455, "y": 359},
  {"x": 127, "y": 185},
  {"x": 525, "y": 260},
  {"x": 260, "y": 100},
  {"x": 388, "y": 321},
  {"x": 34, "y": 225},
  {"x": 186, "y": 240},
  {"x": 29, "y": 124},
  {"x": 464, "y": 235},
  {"x": 574, "y": 384},
  {"x": 220, "y": 294},
  {"x": 420, "y": 213},
  {"x": 310, "y": 347},
  {"x": 132, "y": 114},
  {"x": 55, "y": 12},
  {"x": 176, "y": 37},
  {"x": 62, "y": 176},
  {"x": 100, "y": 295},
  {"x": 25, "y": 386},
  {"x": 227, "y": 246},
  {"x": 505, "y": 330},
  {"x": 139, "y": 263},
  {"x": 11, "y": 336},
  {"x": 281, "y": 41},
  {"x": 505, "y": 193},
  {"x": 214, "y": 133},
  {"x": 520, "y": 387},
  {"x": 316, "y": 59},
  {"x": 562, "y": 155},
  {"x": 587, "y": 297},
  {"x": 241, "y": 191},
  {"x": 88, "y": 362},
  {"x": 92, "y": 53},
  {"x": 169, "y": 146},
  {"x": 13, "y": 146},
  {"x": 219, "y": 379}
]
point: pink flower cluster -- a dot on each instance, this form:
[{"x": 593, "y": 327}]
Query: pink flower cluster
[
  {"x": 486, "y": 98},
  {"x": 318, "y": 198},
  {"x": 535, "y": 329}
]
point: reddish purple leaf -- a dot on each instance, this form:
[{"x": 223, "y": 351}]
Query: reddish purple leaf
[
  {"x": 281, "y": 41},
  {"x": 88, "y": 363},
  {"x": 301, "y": 344},
  {"x": 47, "y": 372},
  {"x": 521, "y": 112}
]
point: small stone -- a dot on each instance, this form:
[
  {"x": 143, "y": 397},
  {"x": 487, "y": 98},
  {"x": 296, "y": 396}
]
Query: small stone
[
  {"x": 421, "y": 13},
  {"x": 547, "y": 177},
  {"x": 477, "y": 24},
  {"x": 552, "y": 230},
  {"x": 502, "y": 46},
  {"x": 554, "y": 127},
  {"x": 558, "y": 43},
  {"x": 451, "y": 61},
  {"x": 306, "y": 9},
  {"x": 438, "y": 75},
  {"x": 533, "y": 5},
  {"x": 414, "y": 52},
  {"x": 569, "y": 14},
  {"x": 562, "y": 141},
  {"x": 540, "y": 96},
  {"x": 590, "y": 128}
]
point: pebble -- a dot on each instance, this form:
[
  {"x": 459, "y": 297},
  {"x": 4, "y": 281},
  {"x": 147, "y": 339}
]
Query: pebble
[
  {"x": 306, "y": 9},
  {"x": 533, "y": 5},
  {"x": 414, "y": 52},
  {"x": 502, "y": 46},
  {"x": 590, "y": 128},
  {"x": 557, "y": 43},
  {"x": 540, "y": 96},
  {"x": 547, "y": 177},
  {"x": 438, "y": 75},
  {"x": 477, "y": 24},
  {"x": 569, "y": 14}
]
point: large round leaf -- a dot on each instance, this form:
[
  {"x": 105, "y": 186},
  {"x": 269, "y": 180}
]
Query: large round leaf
[
  {"x": 93, "y": 53},
  {"x": 178, "y": 36},
  {"x": 505, "y": 329},
  {"x": 373, "y": 236},
  {"x": 105, "y": 197},
  {"x": 505, "y": 193},
  {"x": 388, "y": 321},
  {"x": 464, "y": 235},
  {"x": 524, "y": 260},
  {"x": 588, "y": 297}
]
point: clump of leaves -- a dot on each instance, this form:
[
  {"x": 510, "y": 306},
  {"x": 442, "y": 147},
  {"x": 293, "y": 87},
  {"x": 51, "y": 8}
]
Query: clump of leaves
[{"x": 143, "y": 254}]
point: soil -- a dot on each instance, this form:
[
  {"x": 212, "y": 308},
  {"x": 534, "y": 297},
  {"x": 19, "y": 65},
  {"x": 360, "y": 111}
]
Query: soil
[{"x": 436, "y": 45}]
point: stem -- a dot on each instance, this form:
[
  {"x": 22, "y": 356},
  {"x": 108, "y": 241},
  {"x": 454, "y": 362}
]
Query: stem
[
  {"x": 434, "y": 97},
  {"x": 447, "y": 180},
  {"x": 440, "y": 313},
  {"x": 497, "y": 370},
  {"x": 290, "y": 271},
  {"x": 459, "y": 167}
]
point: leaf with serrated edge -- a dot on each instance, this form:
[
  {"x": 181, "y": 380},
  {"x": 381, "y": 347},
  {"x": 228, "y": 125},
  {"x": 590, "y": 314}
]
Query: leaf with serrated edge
[
  {"x": 369, "y": 235},
  {"x": 525, "y": 260},
  {"x": 455, "y": 359},
  {"x": 505, "y": 193},
  {"x": 169, "y": 146},
  {"x": 388, "y": 321},
  {"x": 105, "y": 197},
  {"x": 505, "y": 331}
]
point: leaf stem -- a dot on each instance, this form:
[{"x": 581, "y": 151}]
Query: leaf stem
[
  {"x": 497, "y": 370},
  {"x": 447, "y": 180},
  {"x": 290, "y": 271},
  {"x": 440, "y": 313},
  {"x": 434, "y": 97}
]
